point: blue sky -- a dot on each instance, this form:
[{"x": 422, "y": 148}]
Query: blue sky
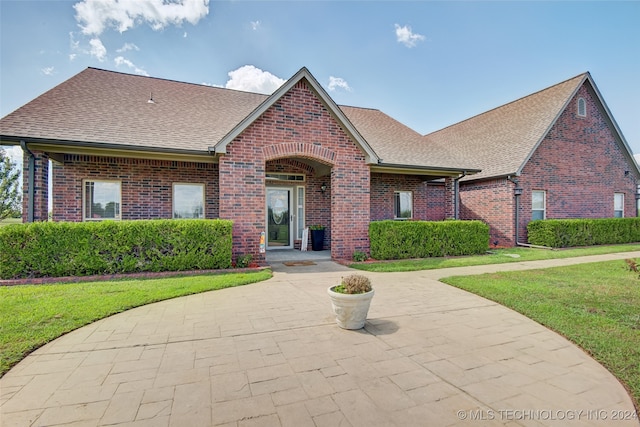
[{"x": 428, "y": 64}]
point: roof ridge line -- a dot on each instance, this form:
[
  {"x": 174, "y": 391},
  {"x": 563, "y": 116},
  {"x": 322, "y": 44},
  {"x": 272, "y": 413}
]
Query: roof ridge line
[{"x": 586, "y": 73}]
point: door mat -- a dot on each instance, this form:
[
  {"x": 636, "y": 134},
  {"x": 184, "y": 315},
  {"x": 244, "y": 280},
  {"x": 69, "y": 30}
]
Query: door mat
[{"x": 298, "y": 263}]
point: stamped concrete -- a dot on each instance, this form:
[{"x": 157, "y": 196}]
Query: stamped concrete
[{"x": 270, "y": 354}]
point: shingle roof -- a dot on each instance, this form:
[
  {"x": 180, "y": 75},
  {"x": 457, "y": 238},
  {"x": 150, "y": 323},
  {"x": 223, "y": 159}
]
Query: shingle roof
[
  {"x": 500, "y": 141},
  {"x": 99, "y": 106}
]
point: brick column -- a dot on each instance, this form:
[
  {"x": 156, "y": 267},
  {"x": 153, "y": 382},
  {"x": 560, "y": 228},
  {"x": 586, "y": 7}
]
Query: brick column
[
  {"x": 350, "y": 208},
  {"x": 40, "y": 187},
  {"x": 449, "y": 198},
  {"x": 242, "y": 199}
]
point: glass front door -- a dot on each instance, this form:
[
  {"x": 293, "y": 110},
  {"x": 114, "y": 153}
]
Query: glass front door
[{"x": 279, "y": 218}]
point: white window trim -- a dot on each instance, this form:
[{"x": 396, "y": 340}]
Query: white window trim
[
  {"x": 394, "y": 205},
  {"x": 621, "y": 210},
  {"x": 544, "y": 203},
  {"x": 194, "y": 184},
  {"x": 118, "y": 216},
  {"x": 582, "y": 102}
]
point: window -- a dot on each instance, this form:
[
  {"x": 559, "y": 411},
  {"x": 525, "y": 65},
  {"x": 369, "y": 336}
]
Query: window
[
  {"x": 538, "y": 205},
  {"x": 101, "y": 200},
  {"x": 403, "y": 204},
  {"x": 188, "y": 201},
  {"x": 582, "y": 107},
  {"x": 618, "y": 205}
]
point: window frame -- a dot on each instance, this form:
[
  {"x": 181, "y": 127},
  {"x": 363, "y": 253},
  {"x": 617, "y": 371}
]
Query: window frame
[
  {"x": 544, "y": 204},
  {"x": 396, "y": 201},
  {"x": 621, "y": 207},
  {"x": 191, "y": 184},
  {"x": 88, "y": 216},
  {"x": 582, "y": 107}
]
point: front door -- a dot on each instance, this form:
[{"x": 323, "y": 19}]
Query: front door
[{"x": 279, "y": 218}]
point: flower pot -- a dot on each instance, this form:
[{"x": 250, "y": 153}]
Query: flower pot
[
  {"x": 317, "y": 239},
  {"x": 350, "y": 309}
]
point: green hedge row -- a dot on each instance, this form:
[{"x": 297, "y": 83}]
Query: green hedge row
[
  {"x": 56, "y": 249},
  {"x": 422, "y": 239},
  {"x": 564, "y": 233}
]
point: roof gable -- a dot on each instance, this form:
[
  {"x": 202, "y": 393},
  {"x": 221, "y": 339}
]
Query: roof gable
[
  {"x": 332, "y": 107},
  {"x": 500, "y": 141}
]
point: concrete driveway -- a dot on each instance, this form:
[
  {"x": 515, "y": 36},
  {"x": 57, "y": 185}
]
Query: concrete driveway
[{"x": 270, "y": 354}]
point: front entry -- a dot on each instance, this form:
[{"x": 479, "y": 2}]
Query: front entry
[{"x": 279, "y": 218}]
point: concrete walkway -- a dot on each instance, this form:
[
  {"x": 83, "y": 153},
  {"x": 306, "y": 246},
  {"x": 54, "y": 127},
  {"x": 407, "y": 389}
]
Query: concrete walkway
[{"x": 270, "y": 354}]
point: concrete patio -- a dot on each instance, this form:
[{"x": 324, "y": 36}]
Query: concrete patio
[{"x": 270, "y": 354}]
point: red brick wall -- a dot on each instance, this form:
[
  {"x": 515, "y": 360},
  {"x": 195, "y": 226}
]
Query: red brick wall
[
  {"x": 428, "y": 198},
  {"x": 490, "y": 201},
  {"x": 296, "y": 126},
  {"x": 579, "y": 165},
  {"x": 146, "y": 185}
]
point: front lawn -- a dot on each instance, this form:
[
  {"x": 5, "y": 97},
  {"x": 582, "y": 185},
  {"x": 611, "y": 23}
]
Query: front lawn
[
  {"x": 495, "y": 256},
  {"x": 32, "y": 315},
  {"x": 597, "y": 306}
]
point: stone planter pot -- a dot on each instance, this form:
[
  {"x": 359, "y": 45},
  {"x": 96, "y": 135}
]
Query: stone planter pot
[{"x": 350, "y": 309}]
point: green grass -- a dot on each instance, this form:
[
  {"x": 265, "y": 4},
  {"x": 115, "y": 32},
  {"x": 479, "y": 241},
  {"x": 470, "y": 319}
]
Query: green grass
[
  {"x": 32, "y": 315},
  {"x": 596, "y": 305},
  {"x": 496, "y": 256},
  {"x": 8, "y": 221}
]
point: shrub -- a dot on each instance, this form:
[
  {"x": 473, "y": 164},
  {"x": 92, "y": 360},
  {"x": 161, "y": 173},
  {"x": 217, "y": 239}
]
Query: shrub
[
  {"x": 359, "y": 256},
  {"x": 563, "y": 233},
  {"x": 354, "y": 284},
  {"x": 55, "y": 249},
  {"x": 423, "y": 239},
  {"x": 243, "y": 261}
]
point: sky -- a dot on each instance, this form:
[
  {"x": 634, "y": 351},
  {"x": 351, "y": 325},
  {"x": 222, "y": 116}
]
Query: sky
[{"x": 428, "y": 64}]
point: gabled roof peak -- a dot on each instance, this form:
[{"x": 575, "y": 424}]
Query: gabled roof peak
[{"x": 586, "y": 76}]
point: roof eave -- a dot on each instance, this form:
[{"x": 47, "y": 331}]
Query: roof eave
[
  {"x": 435, "y": 171},
  {"x": 108, "y": 149}
]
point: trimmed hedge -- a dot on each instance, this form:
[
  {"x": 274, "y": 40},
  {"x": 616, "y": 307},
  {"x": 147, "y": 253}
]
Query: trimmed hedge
[
  {"x": 57, "y": 249},
  {"x": 423, "y": 239},
  {"x": 563, "y": 233}
]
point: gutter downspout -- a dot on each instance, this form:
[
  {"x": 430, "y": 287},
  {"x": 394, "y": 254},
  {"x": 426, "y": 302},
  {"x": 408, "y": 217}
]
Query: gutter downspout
[
  {"x": 517, "y": 192},
  {"x": 32, "y": 180},
  {"x": 456, "y": 195}
]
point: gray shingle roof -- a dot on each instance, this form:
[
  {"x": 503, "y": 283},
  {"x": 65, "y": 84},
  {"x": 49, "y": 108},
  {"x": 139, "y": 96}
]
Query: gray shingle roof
[
  {"x": 106, "y": 107},
  {"x": 501, "y": 140}
]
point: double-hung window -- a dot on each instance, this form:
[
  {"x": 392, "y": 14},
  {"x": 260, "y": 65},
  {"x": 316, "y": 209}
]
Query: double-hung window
[
  {"x": 101, "y": 200},
  {"x": 538, "y": 205},
  {"x": 188, "y": 200},
  {"x": 403, "y": 205},
  {"x": 618, "y": 205}
]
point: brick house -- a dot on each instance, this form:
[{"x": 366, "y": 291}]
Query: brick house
[
  {"x": 557, "y": 153},
  {"x": 130, "y": 147}
]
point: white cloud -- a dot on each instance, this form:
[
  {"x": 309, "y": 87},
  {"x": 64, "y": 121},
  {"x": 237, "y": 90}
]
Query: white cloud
[
  {"x": 72, "y": 56},
  {"x": 97, "y": 49},
  {"x": 255, "y": 25},
  {"x": 251, "y": 79},
  {"x": 338, "y": 83},
  {"x": 128, "y": 46},
  {"x": 120, "y": 60},
  {"x": 95, "y": 16},
  {"x": 47, "y": 71},
  {"x": 14, "y": 152},
  {"x": 405, "y": 36}
]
